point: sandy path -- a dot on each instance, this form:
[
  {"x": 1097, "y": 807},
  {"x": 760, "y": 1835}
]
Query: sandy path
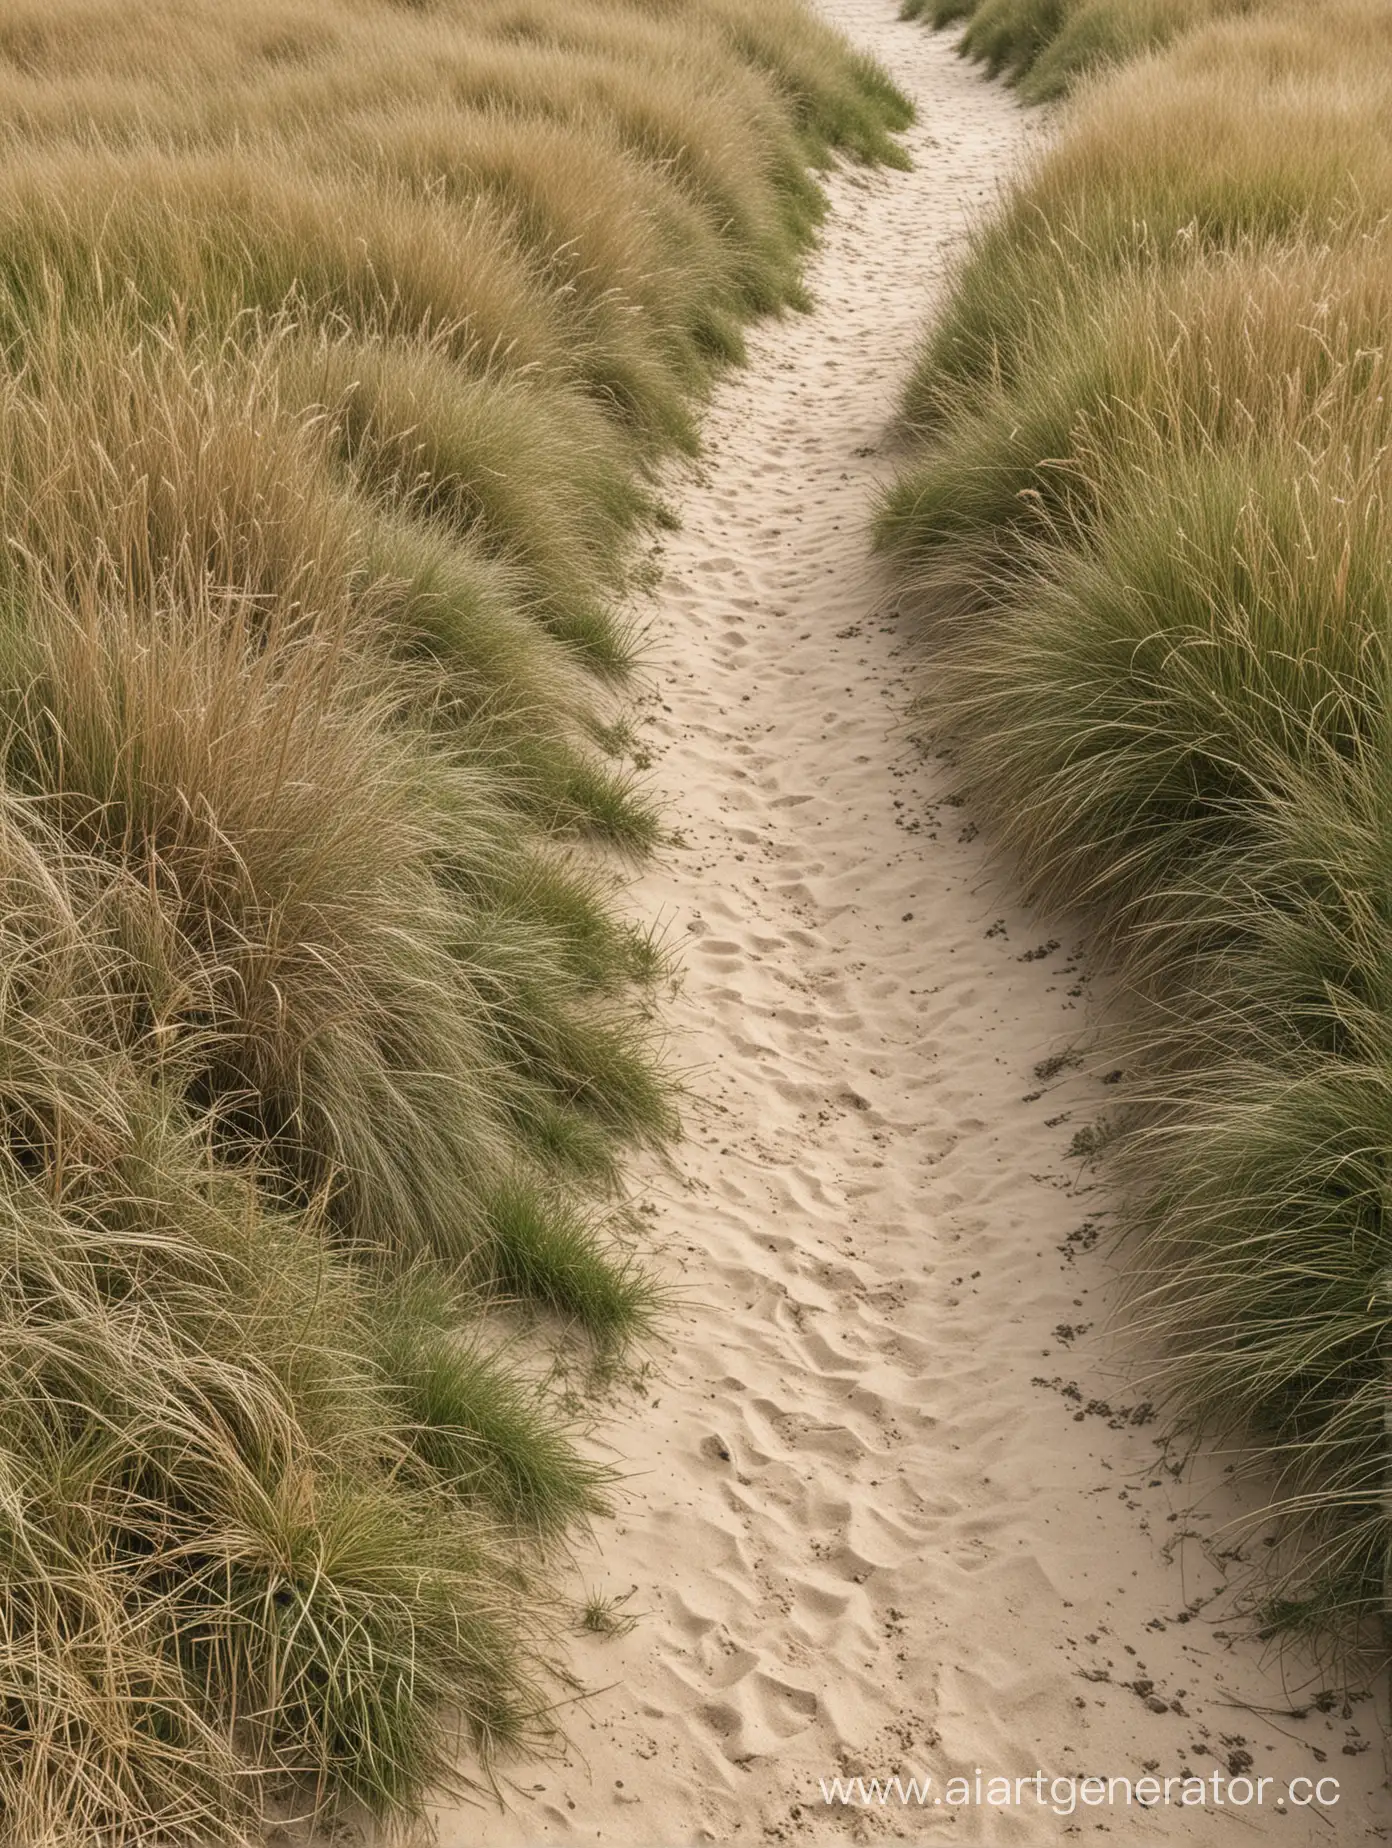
[{"x": 889, "y": 1509}]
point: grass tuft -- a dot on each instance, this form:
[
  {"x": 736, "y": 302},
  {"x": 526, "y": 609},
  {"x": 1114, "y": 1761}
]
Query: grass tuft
[{"x": 544, "y": 1252}]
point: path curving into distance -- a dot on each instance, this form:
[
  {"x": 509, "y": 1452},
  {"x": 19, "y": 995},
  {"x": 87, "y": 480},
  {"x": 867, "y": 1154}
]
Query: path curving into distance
[{"x": 891, "y": 1506}]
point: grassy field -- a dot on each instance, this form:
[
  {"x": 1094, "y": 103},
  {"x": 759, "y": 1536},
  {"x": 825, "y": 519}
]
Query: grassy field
[
  {"x": 1147, "y": 516},
  {"x": 338, "y": 341}
]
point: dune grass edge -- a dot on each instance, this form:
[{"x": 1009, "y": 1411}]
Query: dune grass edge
[
  {"x": 1144, "y": 516},
  {"x": 338, "y": 345}
]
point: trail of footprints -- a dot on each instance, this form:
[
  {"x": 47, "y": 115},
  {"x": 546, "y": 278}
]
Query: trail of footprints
[{"x": 853, "y": 1519}]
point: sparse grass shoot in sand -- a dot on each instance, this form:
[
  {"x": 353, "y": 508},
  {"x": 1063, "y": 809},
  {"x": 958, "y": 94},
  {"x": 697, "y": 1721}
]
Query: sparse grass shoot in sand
[
  {"x": 1148, "y": 523},
  {"x": 338, "y": 343},
  {"x": 603, "y": 1616}
]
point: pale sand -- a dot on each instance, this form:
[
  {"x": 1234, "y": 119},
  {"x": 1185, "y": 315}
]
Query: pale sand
[{"x": 865, "y": 1528}]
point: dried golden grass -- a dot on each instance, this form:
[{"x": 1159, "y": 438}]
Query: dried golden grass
[{"x": 337, "y": 341}]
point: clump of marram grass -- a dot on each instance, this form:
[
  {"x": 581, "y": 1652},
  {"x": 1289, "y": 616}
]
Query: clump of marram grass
[
  {"x": 349, "y": 898},
  {"x": 1202, "y": 355},
  {"x": 236, "y": 1563},
  {"x": 1229, "y": 138},
  {"x": 840, "y": 101},
  {"x": 1046, "y": 46},
  {"x": 1261, "y": 1244},
  {"x": 1129, "y": 702},
  {"x": 1148, "y": 524},
  {"x": 337, "y": 343},
  {"x": 532, "y": 476}
]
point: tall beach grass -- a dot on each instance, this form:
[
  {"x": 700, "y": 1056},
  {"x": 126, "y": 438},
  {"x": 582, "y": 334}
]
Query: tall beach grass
[
  {"x": 1146, "y": 517},
  {"x": 338, "y": 343}
]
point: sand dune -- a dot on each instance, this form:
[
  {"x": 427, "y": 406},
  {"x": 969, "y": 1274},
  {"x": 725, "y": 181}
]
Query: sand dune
[{"x": 891, "y": 1505}]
